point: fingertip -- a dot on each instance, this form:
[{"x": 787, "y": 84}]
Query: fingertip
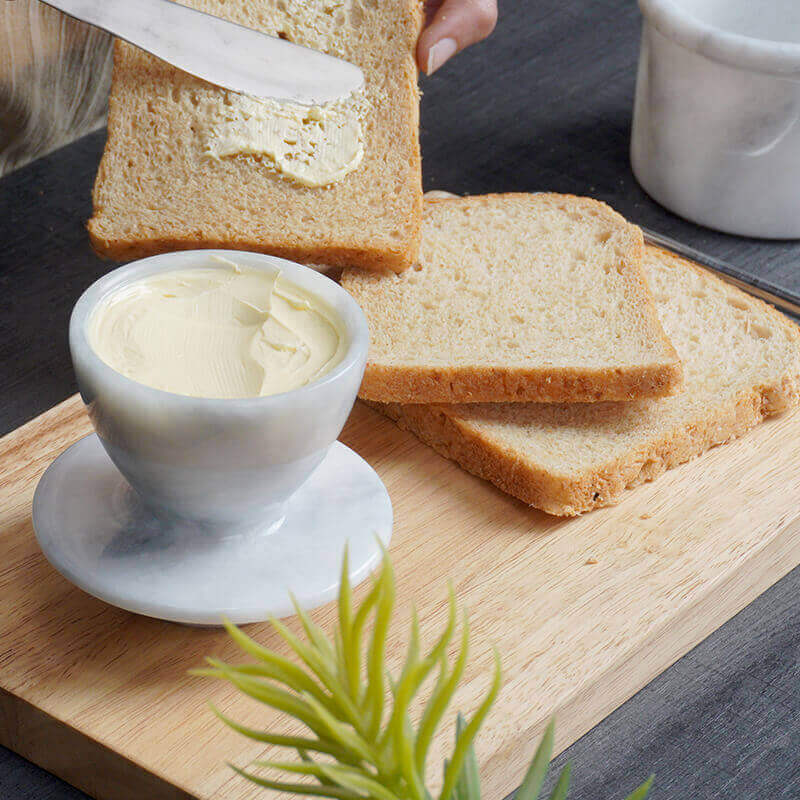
[
  {"x": 455, "y": 25},
  {"x": 441, "y": 52}
]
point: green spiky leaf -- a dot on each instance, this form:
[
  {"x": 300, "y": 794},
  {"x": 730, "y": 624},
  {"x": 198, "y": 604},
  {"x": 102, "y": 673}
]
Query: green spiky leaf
[
  {"x": 562, "y": 784},
  {"x": 362, "y": 743},
  {"x": 642, "y": 791},
  {"x": 537, "y": 772},
  {"x": 468, "y": 785}
]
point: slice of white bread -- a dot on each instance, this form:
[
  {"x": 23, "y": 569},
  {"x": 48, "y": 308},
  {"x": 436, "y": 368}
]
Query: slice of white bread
[
  {"x": 742, "y": 363},
  {"x": 535, "y": 297},
  {"x": 156, "y": 190}
]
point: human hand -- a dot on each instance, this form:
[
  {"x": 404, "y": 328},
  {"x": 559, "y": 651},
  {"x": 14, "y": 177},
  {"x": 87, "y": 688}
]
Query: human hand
[{"x": 450, "y": 26}]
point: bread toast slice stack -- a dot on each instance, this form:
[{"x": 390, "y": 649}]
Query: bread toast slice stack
[
  {"x": 536, "y": 340},
  {"x": 740, "y": 357}
]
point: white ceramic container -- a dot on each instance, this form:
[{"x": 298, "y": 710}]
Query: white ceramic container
[
  {"x": 716, "y": 124},
  {"x": 194, "y": 509},
  {"x": 218, "y": 462}
]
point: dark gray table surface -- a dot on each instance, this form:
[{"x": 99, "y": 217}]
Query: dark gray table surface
[{"x": 545, "y": 104}]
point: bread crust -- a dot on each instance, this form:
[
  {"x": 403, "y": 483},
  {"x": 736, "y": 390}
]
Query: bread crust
[
  {"x": 140, "y": 236},
  {"x": 399, "y": 383},
  {"x": 479, "y": 384},
  {"x": 332, "y": 254},
  {"x": 569, "y": 495}
]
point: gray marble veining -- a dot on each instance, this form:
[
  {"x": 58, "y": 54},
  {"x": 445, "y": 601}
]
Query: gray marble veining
[
  {"x": 716, "y": 126},
  {"x": 191, "y": 508},
  {"x": 95, "y": 530}
]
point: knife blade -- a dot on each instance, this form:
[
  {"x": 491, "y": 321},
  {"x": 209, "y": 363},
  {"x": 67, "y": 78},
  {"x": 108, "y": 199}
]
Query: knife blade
[{"x": 221, "y": 52}]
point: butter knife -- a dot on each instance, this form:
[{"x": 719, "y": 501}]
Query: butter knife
[{"x": 219, "y": 51}]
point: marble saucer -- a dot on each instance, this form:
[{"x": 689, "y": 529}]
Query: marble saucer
[{"x": 94, "y": 530}]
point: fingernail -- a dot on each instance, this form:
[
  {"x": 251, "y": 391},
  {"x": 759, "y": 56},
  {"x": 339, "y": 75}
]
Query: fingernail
[{"x": 439, "y": 53}]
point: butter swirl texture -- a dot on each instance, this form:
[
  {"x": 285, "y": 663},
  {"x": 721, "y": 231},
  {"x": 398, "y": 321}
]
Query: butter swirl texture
[{"x": 219, "y": 332}]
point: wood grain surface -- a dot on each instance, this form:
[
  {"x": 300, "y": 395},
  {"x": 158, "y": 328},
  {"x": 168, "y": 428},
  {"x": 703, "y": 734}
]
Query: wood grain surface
[
  {"x": 584, "y": 612},
  {"x": 544, "y": 104}
]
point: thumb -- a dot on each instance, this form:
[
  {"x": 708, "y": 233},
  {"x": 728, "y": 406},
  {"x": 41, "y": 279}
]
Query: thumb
[{"x": 456, "y": 25}]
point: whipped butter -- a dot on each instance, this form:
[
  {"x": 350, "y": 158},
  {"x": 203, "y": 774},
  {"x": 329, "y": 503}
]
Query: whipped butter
[
  {"x": 312, "y": 145},
  {"x": 218, "y": 332}
]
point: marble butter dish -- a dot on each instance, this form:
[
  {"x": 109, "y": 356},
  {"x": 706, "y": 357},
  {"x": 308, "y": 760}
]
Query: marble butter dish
[{"x": 194, "y": 508}]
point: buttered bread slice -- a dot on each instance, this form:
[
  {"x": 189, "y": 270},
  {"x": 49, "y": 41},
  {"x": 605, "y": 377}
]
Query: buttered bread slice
[
  {"x": 189, "y": 165},
  {"x": 742, "y": 363},
  {"x": 536, "y": 297}
]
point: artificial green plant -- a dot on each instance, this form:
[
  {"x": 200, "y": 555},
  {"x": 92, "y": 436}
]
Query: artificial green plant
[{"x": 360, "y": 741}]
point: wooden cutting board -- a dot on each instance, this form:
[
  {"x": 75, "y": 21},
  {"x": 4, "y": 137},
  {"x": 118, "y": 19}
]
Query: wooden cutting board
[{"x": 584, "y": 612}]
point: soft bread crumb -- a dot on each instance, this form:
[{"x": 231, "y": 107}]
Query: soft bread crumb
[{"x": 516, "y": 297}]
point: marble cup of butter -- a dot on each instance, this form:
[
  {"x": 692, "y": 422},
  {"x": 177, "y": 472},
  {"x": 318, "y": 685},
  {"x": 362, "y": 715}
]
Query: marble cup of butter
[
  {"x": 199, "y": 379},
  {"x": 217, "y": 383}
]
